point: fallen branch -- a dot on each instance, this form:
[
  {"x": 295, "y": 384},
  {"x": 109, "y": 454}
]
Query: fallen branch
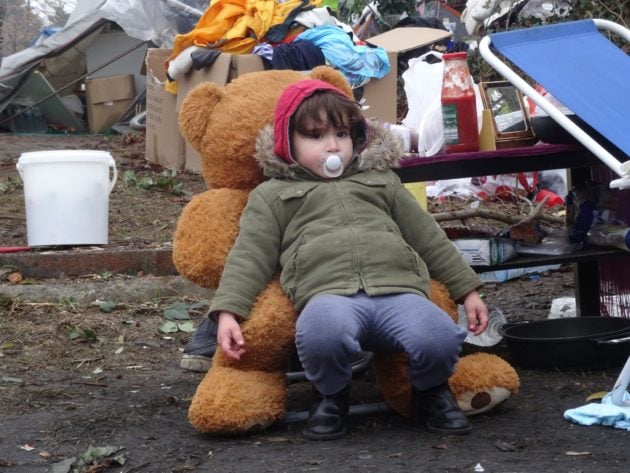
[
  {"x": 87, "y": 360},
  {"x": 535, "y": 214}
]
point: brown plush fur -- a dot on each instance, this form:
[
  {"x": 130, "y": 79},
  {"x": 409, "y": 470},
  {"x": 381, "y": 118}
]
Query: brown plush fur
[
  {"x": 237, "y": 397},
  {"x": 201, "y": 245}
]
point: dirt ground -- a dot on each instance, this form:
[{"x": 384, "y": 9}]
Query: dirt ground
[{"x": 75, "y": 376}]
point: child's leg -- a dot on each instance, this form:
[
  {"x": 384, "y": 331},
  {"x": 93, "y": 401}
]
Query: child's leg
[
  {"x": 432, "y": 342},
  {"x": 327, "y": 332},
  {"x": 426, "y": 333},
  {"x": 327, "y": 335}
]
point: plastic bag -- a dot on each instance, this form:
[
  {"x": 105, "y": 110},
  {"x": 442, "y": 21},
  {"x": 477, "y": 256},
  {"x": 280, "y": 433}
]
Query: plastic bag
[
  {"x": 156, "y": 21},
  {"x": 423, "y": 88}
]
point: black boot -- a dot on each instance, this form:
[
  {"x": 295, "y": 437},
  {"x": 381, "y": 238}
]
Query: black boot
[
  {"x": 326, "y": 415},
  {"x": 200, "y": 348},
  {"x": 438, "y": 410}
]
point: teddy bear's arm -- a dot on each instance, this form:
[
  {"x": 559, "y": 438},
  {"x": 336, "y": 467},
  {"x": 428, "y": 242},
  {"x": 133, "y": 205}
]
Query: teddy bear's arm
[
  {"x": 205, "y": 232},
  {"x": 252, "y": 260}
]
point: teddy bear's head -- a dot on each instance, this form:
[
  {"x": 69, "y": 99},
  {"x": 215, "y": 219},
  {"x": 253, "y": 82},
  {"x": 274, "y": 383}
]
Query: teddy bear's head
[{"x": 222, "y": 123}]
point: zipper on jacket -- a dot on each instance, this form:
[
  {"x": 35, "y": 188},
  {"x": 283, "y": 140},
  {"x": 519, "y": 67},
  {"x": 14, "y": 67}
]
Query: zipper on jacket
[{"x": 355, "y": 246}]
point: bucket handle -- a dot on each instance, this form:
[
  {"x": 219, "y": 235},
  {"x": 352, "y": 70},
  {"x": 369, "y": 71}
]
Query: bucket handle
[
  {"x": 18, "y": 166},
  {"x": 112, "y": 164}
]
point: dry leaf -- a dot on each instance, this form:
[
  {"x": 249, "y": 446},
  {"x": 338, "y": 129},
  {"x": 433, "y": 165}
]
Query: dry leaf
[
  {"x": 598, "y": 396},
  {"x": 506, "y": 446},
  {"x": 15, "y": 278},
  {"x": 440, "y": 446},
  {"x": 577, "y": 454}
]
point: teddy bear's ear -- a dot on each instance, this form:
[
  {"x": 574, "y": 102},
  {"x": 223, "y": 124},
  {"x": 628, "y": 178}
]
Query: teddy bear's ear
[
  {"x": 332, "y": 76},
  {"x": 196, "y": 109}
]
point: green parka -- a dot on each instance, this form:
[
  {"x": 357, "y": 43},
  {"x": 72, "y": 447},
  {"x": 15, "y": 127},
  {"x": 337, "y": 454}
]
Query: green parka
[{"x": 361, "y": 231}]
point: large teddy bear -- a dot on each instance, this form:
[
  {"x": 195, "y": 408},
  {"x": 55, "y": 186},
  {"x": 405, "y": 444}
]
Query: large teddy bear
[{"x": 236, "y": 397}]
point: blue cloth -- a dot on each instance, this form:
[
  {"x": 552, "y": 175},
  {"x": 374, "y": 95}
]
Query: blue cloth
[
  {"x": 605, "y": 413},
  {"x": 357, "y": 63}
]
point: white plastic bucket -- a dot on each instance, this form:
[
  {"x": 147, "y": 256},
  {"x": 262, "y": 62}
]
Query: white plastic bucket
[{"x": 66, "y": 195}]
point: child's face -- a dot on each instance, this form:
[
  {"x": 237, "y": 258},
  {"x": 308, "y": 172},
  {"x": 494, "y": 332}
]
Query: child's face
[{"x": 312, "y": 149}]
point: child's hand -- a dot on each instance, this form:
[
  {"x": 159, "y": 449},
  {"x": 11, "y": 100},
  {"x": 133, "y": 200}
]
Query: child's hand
[
  {"x": 229, "y": 336},
  {"x": 477, "y": 313}
]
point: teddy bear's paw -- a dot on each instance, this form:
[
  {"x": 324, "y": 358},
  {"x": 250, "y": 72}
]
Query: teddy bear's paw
[
  {"x": 473, "y": 403},
  {"x": 233, "y": 402},
  {"x": 482, "y": 381}
]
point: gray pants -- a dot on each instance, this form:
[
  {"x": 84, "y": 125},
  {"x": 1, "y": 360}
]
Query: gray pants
[{"x": 331, "y": 329}]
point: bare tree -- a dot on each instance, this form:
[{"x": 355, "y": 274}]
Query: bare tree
[
  {"x": 21, "y": 26},
  {"x": 22, "y": 20},
  {"x": 51, "y": 12}
]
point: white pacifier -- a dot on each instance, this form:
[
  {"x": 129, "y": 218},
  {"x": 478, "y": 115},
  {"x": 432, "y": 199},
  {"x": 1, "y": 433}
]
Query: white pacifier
[{"x": 332, "y": 166}]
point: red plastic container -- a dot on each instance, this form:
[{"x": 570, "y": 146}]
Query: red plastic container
[
  {"x": 459, "y": 107},
  {"x": 553, "y": 199}
]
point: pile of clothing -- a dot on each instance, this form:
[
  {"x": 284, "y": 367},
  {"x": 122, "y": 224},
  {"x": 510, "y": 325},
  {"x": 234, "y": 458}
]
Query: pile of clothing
[{"x": 294, "y": 34}]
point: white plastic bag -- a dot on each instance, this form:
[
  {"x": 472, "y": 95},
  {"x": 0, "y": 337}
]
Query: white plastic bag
[
  {"x": 423, "y": 88},
  {"x": 158, "y": 22}
]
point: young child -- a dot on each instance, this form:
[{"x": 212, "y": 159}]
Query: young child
[{"x": 354, "y": 251}]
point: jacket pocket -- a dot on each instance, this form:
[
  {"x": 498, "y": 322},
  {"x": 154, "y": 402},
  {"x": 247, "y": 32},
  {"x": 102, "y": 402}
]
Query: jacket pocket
[
  {"x": 290, "y": 276},
  {"x": 412, "y": 258}
]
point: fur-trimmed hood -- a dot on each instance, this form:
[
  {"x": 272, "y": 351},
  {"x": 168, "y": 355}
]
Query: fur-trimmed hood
[{"x": 383, "y": 152}]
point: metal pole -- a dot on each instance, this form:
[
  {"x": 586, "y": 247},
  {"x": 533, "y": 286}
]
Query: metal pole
[{"x": 52, "y": 94}]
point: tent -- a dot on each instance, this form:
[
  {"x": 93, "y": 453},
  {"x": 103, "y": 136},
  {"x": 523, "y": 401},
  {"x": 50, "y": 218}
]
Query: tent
[{"x": 101, "y": 38}]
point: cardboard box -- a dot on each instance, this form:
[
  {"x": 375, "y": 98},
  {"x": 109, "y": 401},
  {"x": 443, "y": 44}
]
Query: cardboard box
[
  {"x": 164, "y": 144},
  {"x": 485, "y": 252},
  {"x": 381, "y": 95},
  {"x": 107, "y": 99},
  {"x": 110, "y": 44}
]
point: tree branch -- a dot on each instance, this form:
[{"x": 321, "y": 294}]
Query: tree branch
[{"x": 535, "y": 214}]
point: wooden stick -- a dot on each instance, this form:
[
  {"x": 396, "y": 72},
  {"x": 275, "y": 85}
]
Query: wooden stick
[{"x": 535, "y": 214}]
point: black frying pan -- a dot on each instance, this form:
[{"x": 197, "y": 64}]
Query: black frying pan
[{"x": 577, "y": 342}]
